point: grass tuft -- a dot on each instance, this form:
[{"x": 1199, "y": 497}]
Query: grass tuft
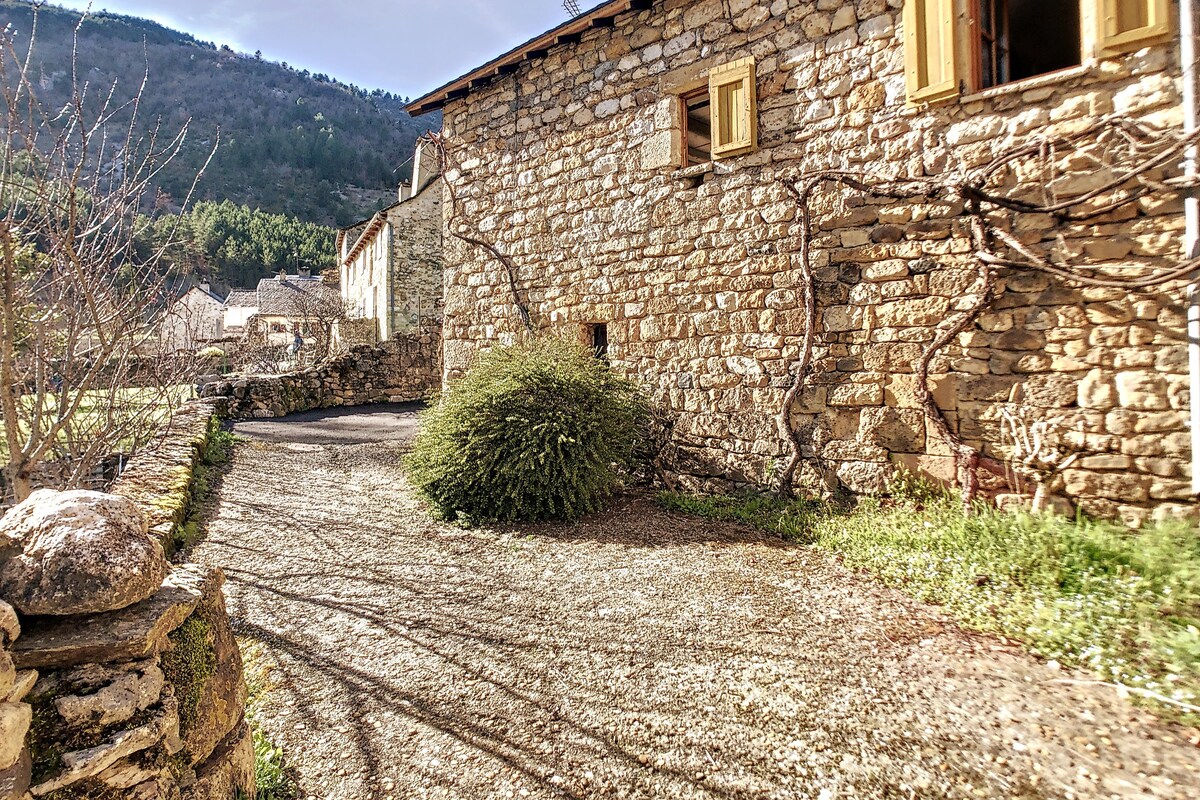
[
  {"x": 273, "y": 776},
  {"x": 1125, "y": 605}
]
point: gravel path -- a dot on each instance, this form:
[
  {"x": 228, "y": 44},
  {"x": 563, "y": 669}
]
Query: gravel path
[{"x": 637, "y": 655}]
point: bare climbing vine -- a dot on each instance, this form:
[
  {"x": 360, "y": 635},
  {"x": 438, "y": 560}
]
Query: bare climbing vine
[
  {"x": 463, "y": 231},
  {"x": 1129, "y": 158}
]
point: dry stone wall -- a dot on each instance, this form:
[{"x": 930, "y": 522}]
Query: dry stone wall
[
  {"x": 123, "y": 684},
  {"x": 565, "y": 167},
  {"x": 404, "y": 369}
]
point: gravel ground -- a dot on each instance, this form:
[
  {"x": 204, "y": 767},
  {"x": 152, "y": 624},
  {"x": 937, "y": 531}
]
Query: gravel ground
[{"x": 639, "y": 654}]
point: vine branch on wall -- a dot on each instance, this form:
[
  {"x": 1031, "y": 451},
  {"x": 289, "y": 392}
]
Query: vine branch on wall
[
  {"x": 460, "y": 229},
  {"x": 1130, "y": 153}
]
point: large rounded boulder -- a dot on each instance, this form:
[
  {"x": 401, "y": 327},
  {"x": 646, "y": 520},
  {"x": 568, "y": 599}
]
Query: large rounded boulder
[{"x": 80, "y": 553}]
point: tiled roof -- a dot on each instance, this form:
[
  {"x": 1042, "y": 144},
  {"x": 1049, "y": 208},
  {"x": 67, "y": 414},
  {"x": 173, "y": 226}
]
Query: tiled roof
[
  {"x": 285, "y": 298},
  {"x": 242, "y": 298}
]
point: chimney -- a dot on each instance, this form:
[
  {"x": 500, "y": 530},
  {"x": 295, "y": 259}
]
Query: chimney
[
  {"x": 305, "y": 272},
  {"x": 205, "y": 286},
  {"x": 282, "y": 275},
  {"x": 405, "y": 190}
]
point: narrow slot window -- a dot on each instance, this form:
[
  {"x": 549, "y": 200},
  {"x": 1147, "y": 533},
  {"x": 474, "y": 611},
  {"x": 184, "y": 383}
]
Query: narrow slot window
[{"x": 599, "y": 343}]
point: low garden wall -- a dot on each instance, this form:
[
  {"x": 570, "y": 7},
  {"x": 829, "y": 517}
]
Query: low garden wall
[
  {"x": 119, "y": 673},
  {"x": 404, "y": 369}
]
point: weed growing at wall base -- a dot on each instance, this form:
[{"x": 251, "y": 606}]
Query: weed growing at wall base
[
  {"x": 273, "y": 776},
  {"x": 1125, "y": 605}
]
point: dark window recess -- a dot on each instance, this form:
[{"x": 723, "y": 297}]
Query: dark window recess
[
  {"x": 698, "y": 128},
  {"x": 600, "y": 340},
  {"x": 1019, "y": 39}
]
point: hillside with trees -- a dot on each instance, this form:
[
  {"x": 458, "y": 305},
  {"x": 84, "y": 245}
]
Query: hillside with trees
[
  {"x": 290, "y": 142},
  {"x": 233, "y": 245}
]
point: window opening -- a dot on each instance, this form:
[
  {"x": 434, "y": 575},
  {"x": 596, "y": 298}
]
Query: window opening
[
  {"x": 697, "y": 113},
  {"x": 1018, "y": 39},
  {"x": 600, "y": 340}
]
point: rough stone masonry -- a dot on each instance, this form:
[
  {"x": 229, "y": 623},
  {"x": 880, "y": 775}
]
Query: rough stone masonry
[{"x": 568, "y": 165}]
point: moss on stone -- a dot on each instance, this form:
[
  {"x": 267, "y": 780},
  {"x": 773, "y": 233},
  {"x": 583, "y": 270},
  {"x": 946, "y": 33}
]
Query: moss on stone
[
  {"x": 45, "y": 738},
  {"x": 188, "y": 666}
]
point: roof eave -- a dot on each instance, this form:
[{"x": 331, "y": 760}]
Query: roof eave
[{"x": 571, "y": 31}]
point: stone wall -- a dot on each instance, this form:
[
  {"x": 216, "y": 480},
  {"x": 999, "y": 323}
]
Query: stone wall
[
  {"x": 694, "y": 271},
  {"x": 159, "y": 478},
  {"x": 416, "y": 274},
  {"x": 123, "y": 684},
  {"x": 404, "y": 369}
]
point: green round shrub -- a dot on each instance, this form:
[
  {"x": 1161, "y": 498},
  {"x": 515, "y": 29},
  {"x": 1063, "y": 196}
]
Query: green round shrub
[{"x": 542, "y": 429}]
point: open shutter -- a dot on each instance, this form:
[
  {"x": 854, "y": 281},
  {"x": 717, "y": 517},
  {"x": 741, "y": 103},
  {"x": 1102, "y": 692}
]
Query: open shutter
[
  {"x": 929, "y": 50},
  {"x": 1129, "y": 24},
  {"x": 733, "y": 101}
]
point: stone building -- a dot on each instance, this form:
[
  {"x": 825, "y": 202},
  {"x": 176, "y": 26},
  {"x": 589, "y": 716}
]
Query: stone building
[
  {"x": 195, "y": 319},
  {"x": 391, "y": 264},
  {"x": 240, "y": 306},
  {"x": 631, "y": 163}
]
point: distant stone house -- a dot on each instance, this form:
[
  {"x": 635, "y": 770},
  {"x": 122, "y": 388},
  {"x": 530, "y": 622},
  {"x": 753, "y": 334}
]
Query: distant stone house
[
  {"x": 240, "y": 306},
  {"x": 291, "y": 304},
  {"x": 630, "y": 162},
  {"x": 391, "y": 265},
  {"x": 194, "y": 320}
]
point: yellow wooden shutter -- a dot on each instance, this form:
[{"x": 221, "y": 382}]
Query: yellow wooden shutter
[
  {"x": 1130, "y": 24},
  {"x": 733, "y": 101},
  {"x": 930, "y": 50}
]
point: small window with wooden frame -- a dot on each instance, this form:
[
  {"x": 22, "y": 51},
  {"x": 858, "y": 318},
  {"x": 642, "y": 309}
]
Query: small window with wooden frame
[
  {"x": 1019, "y": 39},
  {"x": 957, "y": 46},
  {"x": 720, "y": 118}
]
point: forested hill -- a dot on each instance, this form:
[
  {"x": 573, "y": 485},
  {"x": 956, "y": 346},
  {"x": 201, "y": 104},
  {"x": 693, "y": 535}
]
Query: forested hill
[{"x": 290, "y": 142}]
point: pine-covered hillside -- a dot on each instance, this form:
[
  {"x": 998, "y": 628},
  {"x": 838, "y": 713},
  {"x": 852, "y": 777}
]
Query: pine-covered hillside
[{"x": 290, "y": 142}]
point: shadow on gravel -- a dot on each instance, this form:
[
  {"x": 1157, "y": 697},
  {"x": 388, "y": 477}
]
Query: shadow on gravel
[
  {"x": 392, "y": 422},
  {"x": 635, "y": 520},
  {"x": 495, "y": 737}
]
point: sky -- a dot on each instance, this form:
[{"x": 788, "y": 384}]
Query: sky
[{"x": 406, "y": 47}]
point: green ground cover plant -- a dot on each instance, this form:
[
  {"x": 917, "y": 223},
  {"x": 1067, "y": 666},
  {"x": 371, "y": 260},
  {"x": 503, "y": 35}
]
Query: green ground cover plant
[
  {"x": 273, "y": 776},
  {"x": 1122, "y": 604},
  {"x": 217, "y": 450},
  {"x": 541, "y": 429}
]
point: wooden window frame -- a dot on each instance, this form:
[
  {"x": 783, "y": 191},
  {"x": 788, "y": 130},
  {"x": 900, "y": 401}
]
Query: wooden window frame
[
  {"x": 1099, "y": 38},
  {"x": 686, "y": 95}
]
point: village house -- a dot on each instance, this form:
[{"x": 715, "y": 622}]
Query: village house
[
  {"x": 195, "y": 319},
  {"x": 240, "y": 306},
  {"x": 391, "y": 265},
  {"x": 634, "y": 165},
  {"x": 282, "y": 306}
]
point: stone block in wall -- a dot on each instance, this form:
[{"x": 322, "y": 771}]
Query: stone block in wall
[
  {"x": 81, "y": 552},
  {"x": 897, "y": 430},
  {"x": 204, "y": 649},
  {"x": 136, "y": 632},
  {"x": 228, "y": 769}
]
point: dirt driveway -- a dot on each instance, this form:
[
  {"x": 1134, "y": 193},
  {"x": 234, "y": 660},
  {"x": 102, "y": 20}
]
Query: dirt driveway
[{"x": 636, "y": 655}]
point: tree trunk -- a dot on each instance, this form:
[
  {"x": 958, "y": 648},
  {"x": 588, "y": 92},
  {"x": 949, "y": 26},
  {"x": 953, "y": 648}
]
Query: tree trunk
[{"x": 18, "y": 481}]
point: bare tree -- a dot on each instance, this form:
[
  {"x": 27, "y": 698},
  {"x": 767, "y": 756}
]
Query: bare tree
[
  {"x": 83, "y": 373},
  {"x": 315, "y": 312}
]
